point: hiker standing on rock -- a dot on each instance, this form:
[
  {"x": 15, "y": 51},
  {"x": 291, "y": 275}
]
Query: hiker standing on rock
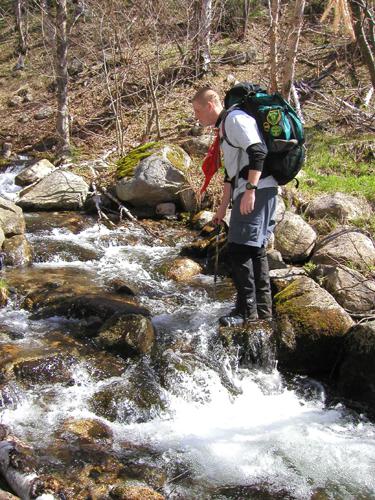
[{"x": 253, "y": 192}]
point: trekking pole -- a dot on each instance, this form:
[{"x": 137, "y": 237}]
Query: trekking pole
[{"x": 216, "y": 261}]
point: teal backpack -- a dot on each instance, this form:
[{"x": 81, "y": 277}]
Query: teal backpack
[{"x": 279, "y": 124}]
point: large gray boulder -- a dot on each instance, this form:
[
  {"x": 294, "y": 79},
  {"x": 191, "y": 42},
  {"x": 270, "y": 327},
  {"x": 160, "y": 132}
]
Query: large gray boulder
[
  {"x": 11, "y": 218},
  {"x": 294, "y": 238},
  {"x": 311, "y": 326},
  {"x": 357, "y": 371},
  {"x": 158, "y": 178},
  {"x": 340, "y": 206},
  {"x": 34, "y": 173},
  {"x": 347, "y": 246},
  {"x": 352, "y": 290},
  {"x": 60, "y": 190},
  {"x": 280, "y": 209}
]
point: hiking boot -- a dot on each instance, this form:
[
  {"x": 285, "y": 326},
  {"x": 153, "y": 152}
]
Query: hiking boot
[{"x": 236, "y": 318}]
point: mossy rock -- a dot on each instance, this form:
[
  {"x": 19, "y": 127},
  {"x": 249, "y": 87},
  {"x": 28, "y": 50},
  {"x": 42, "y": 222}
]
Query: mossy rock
[
  {"x": 127, "y": 164},
  {"x": 311, "y": 327}
]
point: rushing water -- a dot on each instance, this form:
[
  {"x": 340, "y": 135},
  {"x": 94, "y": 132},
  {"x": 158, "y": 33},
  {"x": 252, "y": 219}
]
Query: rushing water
[{"x": 222, "y": 431}]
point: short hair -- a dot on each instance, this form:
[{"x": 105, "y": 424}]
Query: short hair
[{"x": 205, "y": 95}]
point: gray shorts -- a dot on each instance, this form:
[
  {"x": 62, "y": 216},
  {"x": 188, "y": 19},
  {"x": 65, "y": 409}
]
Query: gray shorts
[{"x": 255, "y": 228}]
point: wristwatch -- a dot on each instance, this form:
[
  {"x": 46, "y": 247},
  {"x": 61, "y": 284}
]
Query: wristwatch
[{"x": 251, "y": 186}]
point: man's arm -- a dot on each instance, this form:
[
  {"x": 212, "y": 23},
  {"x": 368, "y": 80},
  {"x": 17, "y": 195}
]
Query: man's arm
[
  {"x": 222, "y": 209},
  {"x": 257, "y": 154}
]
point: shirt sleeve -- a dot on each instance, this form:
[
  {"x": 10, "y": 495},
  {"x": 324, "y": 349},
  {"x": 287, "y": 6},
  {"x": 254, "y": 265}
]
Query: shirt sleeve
[{"x": 242, "y": 130}]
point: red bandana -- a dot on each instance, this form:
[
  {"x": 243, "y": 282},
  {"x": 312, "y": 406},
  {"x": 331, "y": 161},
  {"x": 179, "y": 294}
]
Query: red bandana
[{"x": 211, "y": 163}]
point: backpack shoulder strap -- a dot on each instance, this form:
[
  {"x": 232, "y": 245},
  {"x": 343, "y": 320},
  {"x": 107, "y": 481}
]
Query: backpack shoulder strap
[{"x": 224, "y": 136}]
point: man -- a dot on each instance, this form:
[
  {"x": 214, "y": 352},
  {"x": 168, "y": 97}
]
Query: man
[{"x": 253, "y": 192}]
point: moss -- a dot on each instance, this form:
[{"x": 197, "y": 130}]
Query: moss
[
  {"x": 126, "y": 164},
  {"x": 177, "y": 157}
]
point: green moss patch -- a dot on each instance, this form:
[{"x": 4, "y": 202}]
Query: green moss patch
[{"x": 127, "y": 164}]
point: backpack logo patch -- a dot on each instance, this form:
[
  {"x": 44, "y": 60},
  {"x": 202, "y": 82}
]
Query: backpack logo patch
[{"x": 273, "y": 117}]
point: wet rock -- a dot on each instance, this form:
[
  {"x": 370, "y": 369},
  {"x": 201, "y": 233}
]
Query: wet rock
[
  {"x": 127, "y": 334},
  {"x": 34, "y": 173},
  {"x": 201, "y": 219},
  {"x": 347, "y": 246},
  {"x": 357, "y": 371},
  {"x": 17, "y": 251},
  {"x": 181, "y": 269},
  {"x": 86, "y": 430},
  {"x": 122, "y": 287},
  {"x": 12, "y": 221},
  {"x": 75, "y": 222},
  {"x": 52, "y": 369},
  {"x": 351, "y": 289},
  {"x": 4, "y": 293},
  {"x": 10, "y": 395},
  {"x": 311, "y": 327},
  {"x": 137, "y": 397},
  {"x": 294, "y": 238},
  {"x": 340, "y": 206},
  {"x": 254, "y": 341},
  {"x": 60, "y": 190},
  {"x": 69, "y": 251},
  {"x": 131, "y": 492},
  {"x": 157, "y": 178}
]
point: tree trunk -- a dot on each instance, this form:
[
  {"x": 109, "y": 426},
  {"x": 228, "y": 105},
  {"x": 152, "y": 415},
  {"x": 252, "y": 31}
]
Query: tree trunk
[
  {"x": 20, "y": 9},
  {"x": 274, "y": 10},
  {"x": 367, "y": 54},
  {"x": 246, "y": 13},
  {"x": 291, "y": 54},
  {"x": 205, "y": 36},
  {"x": 62, "y": 123}
]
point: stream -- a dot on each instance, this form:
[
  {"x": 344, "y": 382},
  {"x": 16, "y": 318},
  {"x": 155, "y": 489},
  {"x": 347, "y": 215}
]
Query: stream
[{"x": 211, "y": 429}]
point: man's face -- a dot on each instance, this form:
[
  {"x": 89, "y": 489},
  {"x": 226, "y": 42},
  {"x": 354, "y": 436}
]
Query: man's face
[{"x": 203, "y": 113}]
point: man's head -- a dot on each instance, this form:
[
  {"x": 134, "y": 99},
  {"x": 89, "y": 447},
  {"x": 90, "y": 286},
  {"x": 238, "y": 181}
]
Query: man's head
[{"x": 207, "y": 106}]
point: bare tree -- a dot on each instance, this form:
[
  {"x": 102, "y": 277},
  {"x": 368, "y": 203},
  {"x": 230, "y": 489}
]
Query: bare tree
[
  {"x": 62, "y": 122},
  {"x": 20, "y": 9},
  {"x": 361, "y": 15},
  {"x": 274, "y": 10},
  {"x": 289, "y": 62}
]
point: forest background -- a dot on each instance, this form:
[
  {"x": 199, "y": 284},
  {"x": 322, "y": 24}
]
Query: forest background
[{"x": 83, "y": 79}]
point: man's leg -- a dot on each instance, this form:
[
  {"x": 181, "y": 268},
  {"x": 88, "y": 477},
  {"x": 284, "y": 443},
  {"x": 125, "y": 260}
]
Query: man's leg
[
  {"x": 262, "y": 284},
  {"x": 243, "y": 279}
]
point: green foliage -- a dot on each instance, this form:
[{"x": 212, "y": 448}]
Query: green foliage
[
  {"x": 126, "y": 164},
  {"x": 366, "y": 223},
  {"x": 337, "y": 163},
  {"x": 309, "y": 267},
  {"x": 3, "y": 284}
]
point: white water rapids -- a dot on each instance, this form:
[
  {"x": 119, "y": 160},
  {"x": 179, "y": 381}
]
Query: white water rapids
[{"x": 274, "y": 435}]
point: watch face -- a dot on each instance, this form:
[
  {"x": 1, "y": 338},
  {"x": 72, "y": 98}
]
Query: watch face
[{"x": 250, "y": 186}]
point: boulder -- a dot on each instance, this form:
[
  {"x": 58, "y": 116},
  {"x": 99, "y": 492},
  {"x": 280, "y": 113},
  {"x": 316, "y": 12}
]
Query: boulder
[
  {"x": 126, "y": 334},
  {"x": 197, "y": 146},
  {"x": 136, "y": 397},
  {"x": 165, "y": 209},
  {"x": 44, "y": 369},
  {"x": 340, "y": 206},
  {"x": 17, "y": 251},
  {"x": 44, "y": 113},
  {"x": 85, "y": 431},
  {"x": 357, "y": 370},
  {"x": 11, "y": 218},
  {"x": 60, "y": 190},
  {"x": 294, "y": 238},
  {"x": 154, "y": 176},
  {"x": 280, "y": 209},
  {"x": 34, "y": 173},
  {"x": 181, "y": 269},
  {"x": 350, "y": 288},
  {"x": 281, "y": 278},
  {"x": 201, "y": 219},
  {"x": 311, "y": 327},
  {"x": 2, "y": 237},
  {"x": 347, "y": 246}
]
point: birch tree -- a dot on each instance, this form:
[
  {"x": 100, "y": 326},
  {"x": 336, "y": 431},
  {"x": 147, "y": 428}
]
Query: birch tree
[
  {"x": 62, "y": 122},
  {"x": 20, "y": 10},
  {"x": 289, "y": 62},
  {"x": 203, "y": 36},
  {"x": 274, "y": 11}
]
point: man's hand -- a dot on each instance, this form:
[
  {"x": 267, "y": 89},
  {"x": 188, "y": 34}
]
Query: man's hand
[
  {"x": 247, "y": 202},
  {"x": 220, "y": 214}
]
